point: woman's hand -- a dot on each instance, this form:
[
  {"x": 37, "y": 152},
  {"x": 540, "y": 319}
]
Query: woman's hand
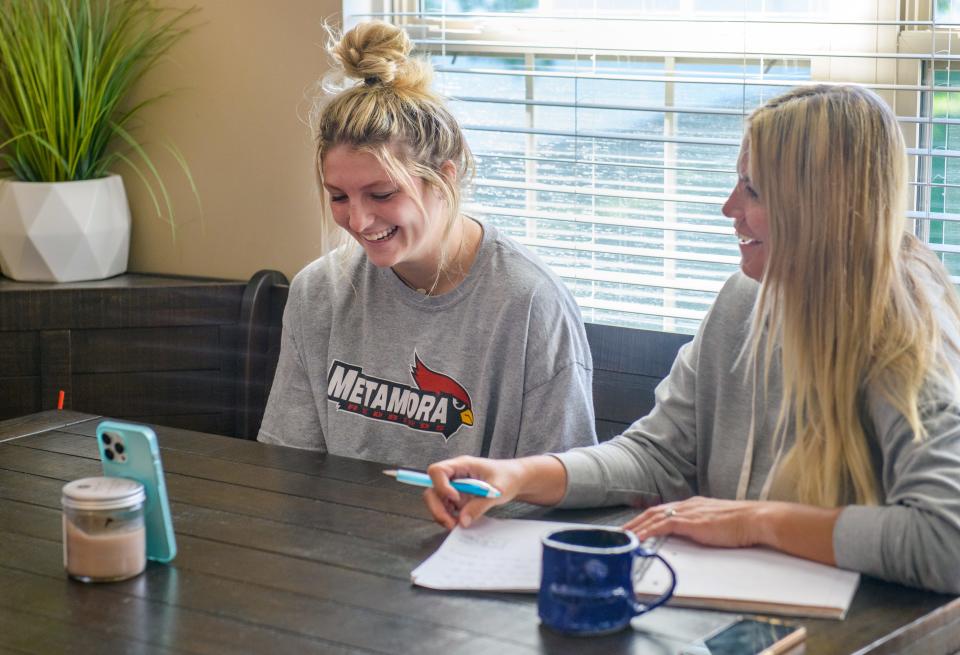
[
  {"x": 710, "y": 521},
  {"x": 541, "y": 480},
  {"x": 448, "y": 505},
  {"x": 802, "y": 530}
]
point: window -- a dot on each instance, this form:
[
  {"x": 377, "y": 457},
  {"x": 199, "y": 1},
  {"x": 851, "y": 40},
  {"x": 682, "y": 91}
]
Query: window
[{"x": 606, "y": 131}]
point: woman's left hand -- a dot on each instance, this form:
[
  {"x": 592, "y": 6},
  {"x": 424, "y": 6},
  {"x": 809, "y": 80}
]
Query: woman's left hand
[
  {"x": 710, "y": 521},
  {"x": 801, "y": 530}
]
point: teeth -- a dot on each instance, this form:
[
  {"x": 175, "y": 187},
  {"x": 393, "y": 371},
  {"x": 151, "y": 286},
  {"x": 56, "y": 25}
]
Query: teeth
[
  {"x": 746, "y": 241},
  {"x": 379, "y": 236}
]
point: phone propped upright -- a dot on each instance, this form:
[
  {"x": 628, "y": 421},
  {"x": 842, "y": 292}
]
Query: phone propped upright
[{"x": 128, "y": 450}]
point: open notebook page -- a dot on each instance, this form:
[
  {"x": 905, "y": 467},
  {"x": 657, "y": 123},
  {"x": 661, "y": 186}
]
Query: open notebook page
[
  {"x": 504, "y": 555},
  {"x": 492, "y": 555},
  {"x": 750, "y": 579}
]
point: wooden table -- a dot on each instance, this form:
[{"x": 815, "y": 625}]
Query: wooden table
[{"x": 285, "y": 551}]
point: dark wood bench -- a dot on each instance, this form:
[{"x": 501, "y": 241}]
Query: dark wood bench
[
  {"x": 142, "y": 347},
  {"x": 628, "y": 364}
]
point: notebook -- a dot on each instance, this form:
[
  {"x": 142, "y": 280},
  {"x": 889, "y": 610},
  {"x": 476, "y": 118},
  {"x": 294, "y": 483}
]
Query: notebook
[{"x": 504, "y": 555}]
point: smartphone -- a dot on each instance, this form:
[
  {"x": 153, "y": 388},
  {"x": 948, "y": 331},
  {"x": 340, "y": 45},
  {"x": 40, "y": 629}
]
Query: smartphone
[
  {"x": 128, "y": 450},
  {"x": 750, "y": 636}
]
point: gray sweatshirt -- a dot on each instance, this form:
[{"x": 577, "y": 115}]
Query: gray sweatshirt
[
  {"x": 370, "y": 368},
  {"x": 694, "y": 442}
]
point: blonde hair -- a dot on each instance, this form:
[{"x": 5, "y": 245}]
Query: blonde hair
[
  {"x": 848, "y": 295},
  {"x": 387, "y": 109}
]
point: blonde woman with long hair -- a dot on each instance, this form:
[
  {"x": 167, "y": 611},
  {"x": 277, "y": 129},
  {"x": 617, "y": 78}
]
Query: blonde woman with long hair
[
  {"x": 817, "y": 409},
  {"x": 428, "y": 333}
]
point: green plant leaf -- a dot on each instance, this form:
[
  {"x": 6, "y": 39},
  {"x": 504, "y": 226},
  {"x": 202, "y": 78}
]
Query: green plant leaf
[
  {"x": 148, "y": 162},
  {"x": 153, "y": 196},
  {"x": 178, "y": 156}
]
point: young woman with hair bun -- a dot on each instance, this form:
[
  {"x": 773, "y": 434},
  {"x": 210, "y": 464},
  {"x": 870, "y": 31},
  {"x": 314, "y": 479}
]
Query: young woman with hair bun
[
  {"x": 817, "y": 410},
  {"x": 427, "y": 333}
]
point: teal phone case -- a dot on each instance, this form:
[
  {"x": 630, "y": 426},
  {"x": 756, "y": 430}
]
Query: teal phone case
[{"x": 138, "y": 458}]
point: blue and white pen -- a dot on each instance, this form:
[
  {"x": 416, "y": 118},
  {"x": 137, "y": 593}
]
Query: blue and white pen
[{"x": 466, "y": 485}]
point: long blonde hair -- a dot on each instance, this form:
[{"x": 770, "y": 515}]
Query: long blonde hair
[
  {"x": 377, "y": 99},
  {"x": 848, "y": 296}
]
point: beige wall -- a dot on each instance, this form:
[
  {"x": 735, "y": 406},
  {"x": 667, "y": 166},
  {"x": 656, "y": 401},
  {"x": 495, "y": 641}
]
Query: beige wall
[{"x": 241, "y": 81}]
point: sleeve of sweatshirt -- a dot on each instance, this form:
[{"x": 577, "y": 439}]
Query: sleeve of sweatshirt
[
  {"x": 914, "y": 538},
  {"x": 654, "y": 460},
  {"x": 291, "y": 418},
  {"x": 557, "y": 408}
]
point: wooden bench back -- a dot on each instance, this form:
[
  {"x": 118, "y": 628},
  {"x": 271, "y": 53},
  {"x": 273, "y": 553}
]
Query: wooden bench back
[{"x": 628, "y": 364}]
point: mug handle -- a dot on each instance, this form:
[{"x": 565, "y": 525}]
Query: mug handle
[{"x": 640, "y": 608}]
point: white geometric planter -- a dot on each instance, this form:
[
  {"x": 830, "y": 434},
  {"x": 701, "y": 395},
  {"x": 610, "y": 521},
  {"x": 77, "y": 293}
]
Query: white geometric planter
[{"x": 64, "y": 231}]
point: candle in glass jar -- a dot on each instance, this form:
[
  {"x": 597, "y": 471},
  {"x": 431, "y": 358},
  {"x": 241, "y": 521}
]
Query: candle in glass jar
[{"x": 104, "y": 537}]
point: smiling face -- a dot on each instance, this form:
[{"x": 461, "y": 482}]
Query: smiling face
[
  {"x": 382, "y": 216},
  {"x": 749, "y": 215}
]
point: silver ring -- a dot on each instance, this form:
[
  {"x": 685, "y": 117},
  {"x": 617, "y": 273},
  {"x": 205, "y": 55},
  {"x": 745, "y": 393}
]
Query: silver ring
[{"x": 670, "y": 512}]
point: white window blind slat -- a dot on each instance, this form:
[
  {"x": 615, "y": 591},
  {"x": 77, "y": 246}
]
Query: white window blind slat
[
  {"x": 744, "y": 81},
  {"x": 562, "y": 46}
]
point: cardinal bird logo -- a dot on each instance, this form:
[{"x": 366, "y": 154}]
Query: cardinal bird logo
[
  {"x": 444, "y": 385},
  {"x": 437, "y": 403}
]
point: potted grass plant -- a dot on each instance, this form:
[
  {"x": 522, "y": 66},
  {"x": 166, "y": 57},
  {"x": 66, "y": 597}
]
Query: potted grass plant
[{"x": 67, "y": 124}]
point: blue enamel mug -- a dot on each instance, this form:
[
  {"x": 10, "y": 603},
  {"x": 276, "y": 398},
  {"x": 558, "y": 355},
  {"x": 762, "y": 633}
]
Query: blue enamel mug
[{"x": 586, "y": 584}]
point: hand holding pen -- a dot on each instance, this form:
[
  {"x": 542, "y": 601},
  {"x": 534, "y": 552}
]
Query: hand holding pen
[
  {"x": 470, "y": 486},
  {"x": 537, "y": 479},
  {"x": 450, "y": 505}
]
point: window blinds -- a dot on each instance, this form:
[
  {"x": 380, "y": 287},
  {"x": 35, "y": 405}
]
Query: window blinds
[{"x": 606, "y": 131}]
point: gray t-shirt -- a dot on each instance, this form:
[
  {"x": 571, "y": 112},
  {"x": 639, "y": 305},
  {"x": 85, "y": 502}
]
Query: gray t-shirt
[
  {"x": 370, "y": 368},
  {"x": 695, "y": 442}
]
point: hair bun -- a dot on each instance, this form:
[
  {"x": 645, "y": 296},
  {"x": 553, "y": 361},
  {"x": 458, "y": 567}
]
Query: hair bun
[{"x": 374, "y": 52}]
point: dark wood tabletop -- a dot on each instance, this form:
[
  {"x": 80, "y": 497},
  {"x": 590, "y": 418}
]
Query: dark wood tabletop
[{"x": 286, "y": 551}]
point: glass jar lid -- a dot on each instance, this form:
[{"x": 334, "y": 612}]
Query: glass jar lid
[{"x": 102, "y": 493}]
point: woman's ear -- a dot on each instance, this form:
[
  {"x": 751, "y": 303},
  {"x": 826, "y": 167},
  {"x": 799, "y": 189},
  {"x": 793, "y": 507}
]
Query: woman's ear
[{"x": 449, "y": 170}]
